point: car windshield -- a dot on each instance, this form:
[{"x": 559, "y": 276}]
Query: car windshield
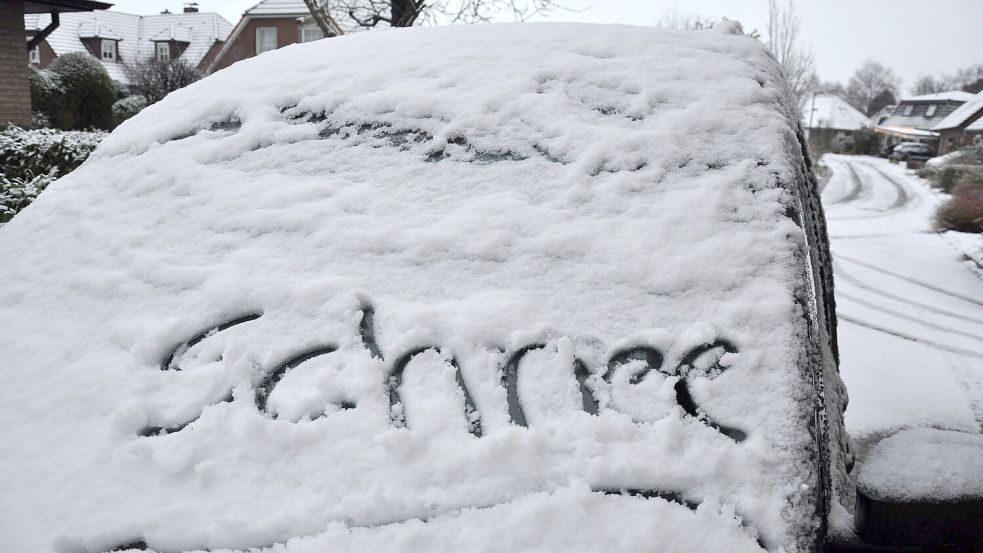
[{"x": 367, "y": 298}]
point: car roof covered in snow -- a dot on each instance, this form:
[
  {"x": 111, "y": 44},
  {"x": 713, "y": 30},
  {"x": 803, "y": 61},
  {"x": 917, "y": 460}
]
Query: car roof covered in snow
[{"x": 292, "y": 300}]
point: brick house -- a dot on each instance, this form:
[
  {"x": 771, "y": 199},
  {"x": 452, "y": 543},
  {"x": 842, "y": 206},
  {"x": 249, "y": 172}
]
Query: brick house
[
  {"x": 15, "y": 91},
  {"x": 117, "y": 38},
  {"x": 960, "y": 127},
  {"x": 268, "y": 25}
]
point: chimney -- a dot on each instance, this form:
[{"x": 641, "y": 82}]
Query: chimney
[
  {"x": 165, "y": 12},
  {"x": 191, "y": 7}
]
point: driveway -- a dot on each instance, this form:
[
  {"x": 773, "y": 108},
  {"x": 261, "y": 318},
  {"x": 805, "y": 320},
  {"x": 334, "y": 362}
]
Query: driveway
[{"x": 910, "y": 308}]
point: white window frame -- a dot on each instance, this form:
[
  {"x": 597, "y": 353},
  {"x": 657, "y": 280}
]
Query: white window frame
[
  {"x": 34, "y": 55},
  {"x": 267, "y": 43},
  {"x": 310, "y": 32},
  {"x": 930, "y": 110},
  {"x": 162, "y": 51},
  {"x": 108, "y": 49}
]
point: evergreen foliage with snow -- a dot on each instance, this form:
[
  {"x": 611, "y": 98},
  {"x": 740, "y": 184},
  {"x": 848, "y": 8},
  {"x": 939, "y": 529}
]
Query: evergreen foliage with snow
[
  {"x": 32, "y": 159},
  {"x": 127, "y": 107}
]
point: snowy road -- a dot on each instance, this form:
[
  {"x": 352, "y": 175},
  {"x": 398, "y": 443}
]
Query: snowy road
[{"x": 910, "y": 309}]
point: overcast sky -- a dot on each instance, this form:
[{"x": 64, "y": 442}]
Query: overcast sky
[{"x": 914, "y": 37}]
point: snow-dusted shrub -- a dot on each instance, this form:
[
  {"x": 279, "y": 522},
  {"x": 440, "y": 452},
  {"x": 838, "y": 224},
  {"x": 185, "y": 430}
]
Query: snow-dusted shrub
[
  {"x": 80, "y": 94},
  {"x": 127, "y": 107},
  {"x": 153, "y": 79},
  {"x": 952, "y": 175},
  {"x": 25, "y": 154},
  {"x": 964, "y": 211},
  {"x": 16, "y": 193},
  {"x": 865, "y": 142}
]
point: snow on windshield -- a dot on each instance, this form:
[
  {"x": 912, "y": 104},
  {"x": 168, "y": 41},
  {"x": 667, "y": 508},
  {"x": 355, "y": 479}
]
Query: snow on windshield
[{"x": 504, "y": 287}]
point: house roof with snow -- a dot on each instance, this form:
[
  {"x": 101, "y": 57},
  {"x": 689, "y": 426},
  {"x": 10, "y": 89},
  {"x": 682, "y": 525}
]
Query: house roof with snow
[
  {"x": 950, "y": 95},
  {"x": 278, "y": 8},
  {"x": 926, "y": 111},
  {"x": 962, "y": 114},
  {"x": 264, "y": 9},
  {"x": 300, "y": 281},
  {"x": 829, "y": 111},
  {"x": 134, "y": 34}
]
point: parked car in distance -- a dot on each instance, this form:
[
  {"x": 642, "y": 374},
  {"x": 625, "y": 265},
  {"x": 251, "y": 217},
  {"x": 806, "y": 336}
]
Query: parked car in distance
[{"x": 915, "y": 151}]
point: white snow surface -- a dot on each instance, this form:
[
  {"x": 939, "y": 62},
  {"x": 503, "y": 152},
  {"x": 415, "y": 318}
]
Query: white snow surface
[
  {"x": 925, "y": 465},
  {"x": 909, "y": 309},
  {"x": 588, "y": 187}
]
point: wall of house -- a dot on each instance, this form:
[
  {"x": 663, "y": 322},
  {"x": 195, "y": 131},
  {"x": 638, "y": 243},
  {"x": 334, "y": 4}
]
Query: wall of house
[
  {"x": 952, "y": 139},
  {"x": 15, "y": 91},
  {"x": 287, "y": 32},
  {"x": 210, "y": 56}
]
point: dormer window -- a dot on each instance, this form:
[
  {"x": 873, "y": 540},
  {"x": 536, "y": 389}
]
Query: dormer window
[
  {"x": 930, "y": 111},
  {"x": 163, "y": 51},
  {"x": 109, "y": 50}
]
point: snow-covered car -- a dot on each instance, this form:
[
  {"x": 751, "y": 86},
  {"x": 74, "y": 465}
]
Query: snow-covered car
[{"x": 495, "y": 288}]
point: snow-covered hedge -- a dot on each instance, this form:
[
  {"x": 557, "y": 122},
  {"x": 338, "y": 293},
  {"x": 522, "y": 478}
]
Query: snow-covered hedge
[
  {"x": 127, "y": 107},
  {"x": 17, "y": 193},
  {"x": 31, "y": 159}
]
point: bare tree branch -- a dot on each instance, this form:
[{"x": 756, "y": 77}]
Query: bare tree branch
[
  {"x": 321, "y": 14},
  {"x": 351, "y": 15},
  {"x": 795, "y": 57}
]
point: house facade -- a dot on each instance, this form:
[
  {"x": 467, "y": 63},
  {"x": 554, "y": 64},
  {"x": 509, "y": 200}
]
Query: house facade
[
  {"x": 268, "y": 25},
  {"x": 117, "y": 39},
  {"x": 962, "y": 126},
  {"x": 830, "y": 122}
]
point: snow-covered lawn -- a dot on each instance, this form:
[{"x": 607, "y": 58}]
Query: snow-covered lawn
[{"x": 910, "y": 307}]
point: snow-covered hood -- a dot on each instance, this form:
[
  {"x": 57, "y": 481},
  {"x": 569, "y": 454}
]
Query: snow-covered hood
[{"x": 453, "y": 289}]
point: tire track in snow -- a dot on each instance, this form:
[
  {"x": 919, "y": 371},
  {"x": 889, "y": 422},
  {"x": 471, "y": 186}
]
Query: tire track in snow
[
  {"x": 912, "y": 280},
  {"x": 900, "y": 315},
  {"x": 902, "y": 198},
  {"x": 855, "y": 189},
  {"x": 903, "y": 336},
  {"x": 839, "y": 272}
]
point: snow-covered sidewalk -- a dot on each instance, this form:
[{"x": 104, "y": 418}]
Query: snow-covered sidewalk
[{"x": 910, "y": 307}]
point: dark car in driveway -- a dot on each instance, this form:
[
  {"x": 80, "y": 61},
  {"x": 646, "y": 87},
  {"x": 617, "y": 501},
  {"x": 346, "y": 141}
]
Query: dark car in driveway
[{"x": 913, "y": 151}]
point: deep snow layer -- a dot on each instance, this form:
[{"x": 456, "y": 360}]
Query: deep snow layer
[
  {"x": 925, "y": 465},
  {"x": 481, "y": 189}
]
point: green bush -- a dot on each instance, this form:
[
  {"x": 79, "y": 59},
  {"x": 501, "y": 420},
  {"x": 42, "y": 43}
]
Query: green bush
[
  {"x": 75, "y": 92},
  {"x": 25, "y": 154},
  {"x": 127, "y": 107},
  {"x": 866, "y": 142},
  {"x": 30, "y": 160},
  {"x": 16, "y": 193},
  {"x": 951, "y": 175}
]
